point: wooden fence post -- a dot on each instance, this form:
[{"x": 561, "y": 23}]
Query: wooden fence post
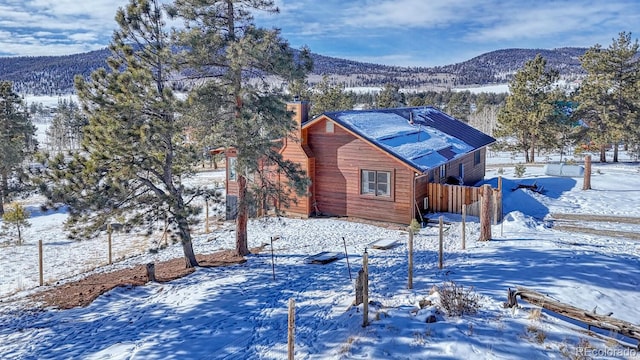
[
  {"x": 500, "y": 210},
  {"x": 291, "y": 328},
  {"x": 151, "y": 272},
  {"x": 359, "y": 287},
  {"x": 410, "y": 279},
  {"x": 494, "y": 200},
  {"x": 40, "y": 263},
  {"x": 365, "y": 289},
  {"x": 273, "y": 260},
  {"x": 206, "y": 216},
  {"x": 485, "y": 214},
  {"x": 586, "y": 185},
  {"x": 109, "y": 231},
  {"x": 440, "y": 241},
  {"x": 464, "y": 225}
]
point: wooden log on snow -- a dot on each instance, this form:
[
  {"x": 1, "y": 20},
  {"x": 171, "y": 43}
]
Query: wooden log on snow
[{"x": 590, "y": 318}]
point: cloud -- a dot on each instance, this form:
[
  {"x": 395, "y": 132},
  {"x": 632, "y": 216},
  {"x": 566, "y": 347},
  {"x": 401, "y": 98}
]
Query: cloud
[
  {"x": 47, "y": 27},
  {"x": 401, "y": 32},
  {"x": 407, "y": 13},
  {"x": 550, "y": 19}
]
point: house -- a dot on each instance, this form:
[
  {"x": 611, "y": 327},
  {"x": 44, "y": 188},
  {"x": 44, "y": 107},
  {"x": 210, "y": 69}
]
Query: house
[{"x": 376, "y": 164}]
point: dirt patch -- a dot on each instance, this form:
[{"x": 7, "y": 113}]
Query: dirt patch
[{"x": 86, "y": 290}]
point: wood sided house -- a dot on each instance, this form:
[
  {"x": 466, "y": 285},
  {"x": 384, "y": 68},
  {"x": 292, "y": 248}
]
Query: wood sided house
[{"x": 377, "y": 164}]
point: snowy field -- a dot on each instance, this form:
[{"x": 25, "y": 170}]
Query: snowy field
[{"x": 240, "y": 312}]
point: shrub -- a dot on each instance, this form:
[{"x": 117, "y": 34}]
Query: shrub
[
  {"x": 455, "y": 300},
  {"x": 520, "y": 169},
  {"x": 415, "y": 226}
]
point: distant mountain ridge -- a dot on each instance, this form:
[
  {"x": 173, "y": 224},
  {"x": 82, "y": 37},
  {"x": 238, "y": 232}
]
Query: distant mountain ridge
[{"x": 53, "y": 75}]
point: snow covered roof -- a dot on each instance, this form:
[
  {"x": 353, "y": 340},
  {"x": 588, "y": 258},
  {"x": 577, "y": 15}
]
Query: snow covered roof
[{"x": 422, "y": 137}]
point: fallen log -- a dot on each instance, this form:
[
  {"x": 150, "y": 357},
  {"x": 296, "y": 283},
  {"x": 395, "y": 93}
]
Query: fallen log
[{"x": 604, "y": 322}]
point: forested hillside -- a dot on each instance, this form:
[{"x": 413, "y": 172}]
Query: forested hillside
[
  {"x": 49, "y": 75},
  {"x": 53, "y": 75}
]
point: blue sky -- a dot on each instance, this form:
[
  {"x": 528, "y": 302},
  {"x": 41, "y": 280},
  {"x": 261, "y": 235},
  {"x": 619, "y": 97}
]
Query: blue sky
[{"x": 398, "y": 32}]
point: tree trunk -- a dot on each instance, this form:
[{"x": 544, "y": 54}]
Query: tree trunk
[
  {"x": 533, "y": 152},
  {"x": 485, "y": 214},
  {"x": 615, "y": 152},
  {"x": 19, "y": 234},
  {"x": 3, "y": 191},
  {"x": 187, "y": 245},
  {"x": 242, "y": 248},
  {"x": 603, "y": 153},
  {"x": 586, "y": 185}
]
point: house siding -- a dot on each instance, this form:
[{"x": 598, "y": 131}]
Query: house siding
[
  {"x": 293, "y": 151},
  {"x": 473, "y": 173},
  {"x": 339, "y": 158}
]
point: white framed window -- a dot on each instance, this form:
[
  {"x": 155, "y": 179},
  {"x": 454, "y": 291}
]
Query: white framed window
[
  {"x": 233, "y": 175},
  {"x": 443, "y": 171},
  {"x": 329, "y": 127},
  {"x": 377, "y": 183}
]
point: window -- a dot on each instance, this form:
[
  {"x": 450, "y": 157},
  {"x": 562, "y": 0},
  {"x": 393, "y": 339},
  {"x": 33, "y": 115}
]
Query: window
[
  {"x": 377, "y": 183},
  {"x": 461, "y": 171},
  {"x": 329, "y": 127},
  {"x": 443, "y": 171},
  {"x": 476, "y": 157},
  {"x": 232, "y": 169}
]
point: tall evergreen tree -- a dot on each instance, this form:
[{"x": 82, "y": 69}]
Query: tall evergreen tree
[
  {"x": 326, "y": 97},
  {"x": 222, "y": 48},
  {"x": 528, "y": 108},
  {"x": 390, "y": 97},
  {"x": 608, "y": 95},
  {"x": 300, "y": 89},
  {"x": 134, "y": 157},
  {"x": 459, "y": 105},
  {"x": 17, "y": 142}
]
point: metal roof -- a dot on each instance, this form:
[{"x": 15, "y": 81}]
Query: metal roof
[{"x": 422, "y": 137}]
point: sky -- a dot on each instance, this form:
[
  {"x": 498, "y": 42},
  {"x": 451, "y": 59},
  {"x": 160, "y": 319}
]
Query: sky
[{"x": 391, "y": 32}]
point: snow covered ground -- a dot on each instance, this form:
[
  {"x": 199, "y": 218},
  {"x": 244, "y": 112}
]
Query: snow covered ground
[{"x": 240, "y": 312}]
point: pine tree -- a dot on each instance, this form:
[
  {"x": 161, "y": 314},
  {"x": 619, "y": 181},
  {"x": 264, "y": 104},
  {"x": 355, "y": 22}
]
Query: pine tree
[
  {"x": 529, "y": 108},
  {"x": 17, "y": 142},
  {"x": 327, "y": 97},
  {"x": 390, "y": 97},
  {"x": 223, "y": 48},
  {"x": 608, "y": 95},
  {"x": 16, "y": 218},
  {"x": 300, "y": 89},
  {"x": 459, "y": 105},
  {"x": 134, "y": 158}
]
